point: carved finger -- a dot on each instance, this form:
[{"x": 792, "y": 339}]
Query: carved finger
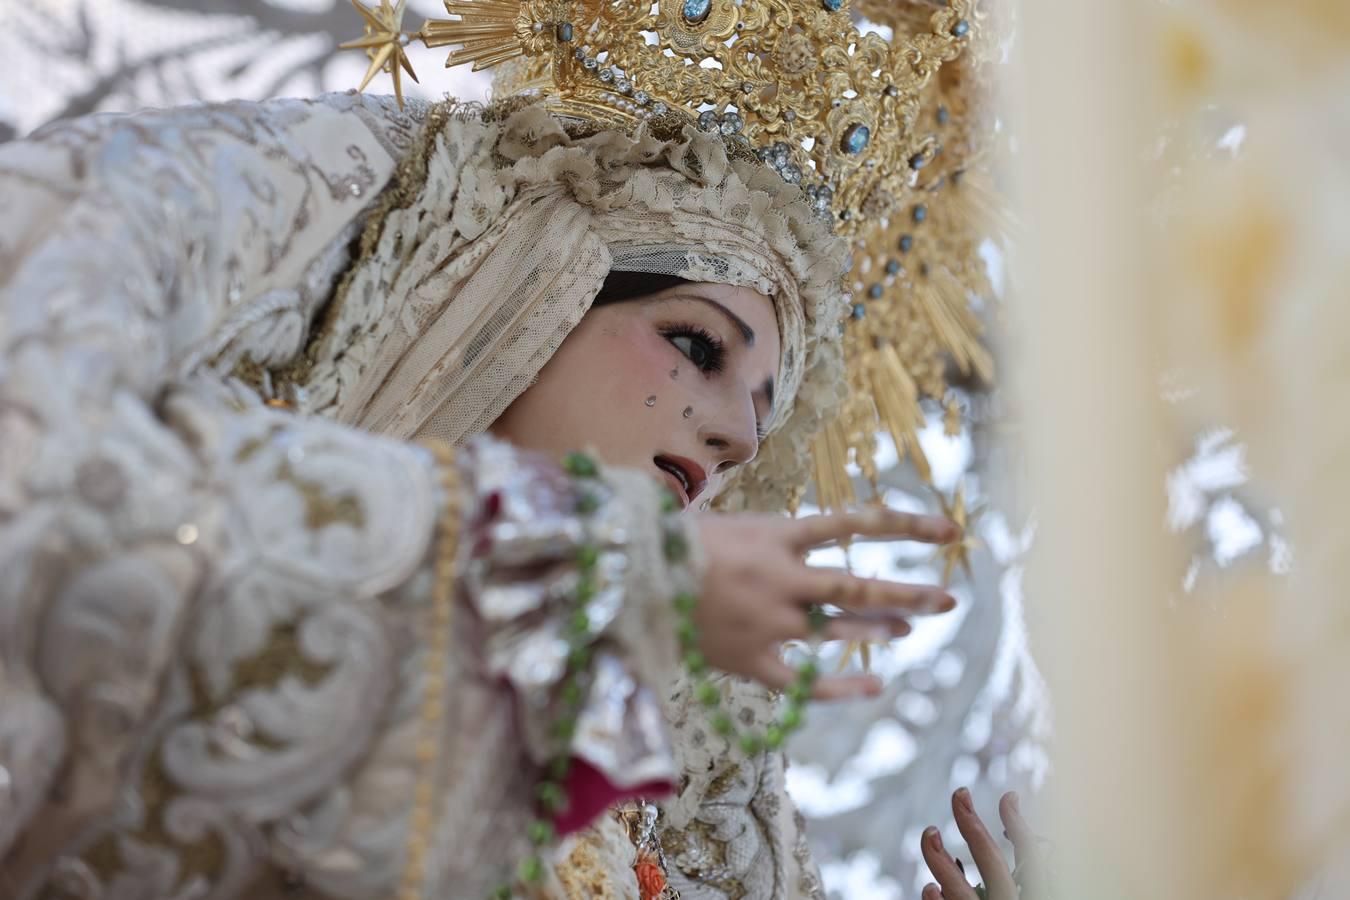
[{"x": 873, "y": 524}]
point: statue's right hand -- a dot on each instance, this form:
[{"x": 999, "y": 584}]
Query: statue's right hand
[{"x": 757, "y": 590}]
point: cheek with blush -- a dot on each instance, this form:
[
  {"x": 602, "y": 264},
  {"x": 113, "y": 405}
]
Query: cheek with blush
[{"x": 643, "y": 361}]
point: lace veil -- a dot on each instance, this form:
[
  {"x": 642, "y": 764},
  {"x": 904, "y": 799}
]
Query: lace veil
[{"x": 500, "y": 231}]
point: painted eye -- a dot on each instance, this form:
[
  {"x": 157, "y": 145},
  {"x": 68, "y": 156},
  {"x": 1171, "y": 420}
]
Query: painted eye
[
  {"x": 701, "y": 347},
  {"x": 694, "y": 347}
]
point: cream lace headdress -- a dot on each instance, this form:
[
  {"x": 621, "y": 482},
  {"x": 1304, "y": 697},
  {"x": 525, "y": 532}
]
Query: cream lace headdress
[{"x": 501, "y": 231}]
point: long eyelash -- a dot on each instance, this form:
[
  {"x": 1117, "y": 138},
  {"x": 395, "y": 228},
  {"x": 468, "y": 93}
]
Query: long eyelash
[{"x": 717, "y": 354}]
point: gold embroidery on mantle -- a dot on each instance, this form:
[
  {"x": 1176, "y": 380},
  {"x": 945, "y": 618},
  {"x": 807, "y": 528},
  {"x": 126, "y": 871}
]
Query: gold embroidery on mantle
[
  {"x": 105, "y": 858},
  {"x": 322, "y": 508},
  {"x": 281, "y": 657}
]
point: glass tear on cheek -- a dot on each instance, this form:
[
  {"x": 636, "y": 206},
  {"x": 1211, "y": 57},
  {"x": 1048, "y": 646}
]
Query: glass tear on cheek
[
  {"x": 674, "y": 373},
  {"x": 688, "y": 411},
  {"x": 651, "y": 401}
]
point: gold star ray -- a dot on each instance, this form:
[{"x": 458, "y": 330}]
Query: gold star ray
[
  {"x": 385, "y": 44},
  {"x": 957, "y": 553}
]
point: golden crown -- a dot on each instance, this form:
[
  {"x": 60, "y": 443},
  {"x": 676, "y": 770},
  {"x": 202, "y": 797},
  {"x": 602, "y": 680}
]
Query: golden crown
[
  {"x": 829, "y": 105},
  {"x": 873, "y": 107}
]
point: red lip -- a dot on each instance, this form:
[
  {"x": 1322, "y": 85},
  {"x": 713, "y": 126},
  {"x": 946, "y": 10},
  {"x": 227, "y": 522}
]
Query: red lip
[{"x": 691, "y": 472}]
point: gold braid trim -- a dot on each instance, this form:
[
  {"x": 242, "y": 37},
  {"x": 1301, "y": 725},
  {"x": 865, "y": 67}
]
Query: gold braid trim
[
  {"x": 401, "y": 193},
  {"x": 422, "y": 819}
]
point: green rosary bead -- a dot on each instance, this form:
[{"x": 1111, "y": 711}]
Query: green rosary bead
[
  {"x": 817, "y": 619},
  {"x": 676, "y": 547},
  {"x": 751, "y": 744},
  {"x": 808, "y": 673},
  {"x": 694, "y": 661},
  {"x": 585, "y": 590},
  {"x": 559, "y": 767},
  {"x": 579, "y": 657},
  {"x": 572, "y": 695},
  {"x": 531, "y": 869},
  {"x": 579, "y": 623},
  {"x": 587, "y": 503},
  {"x": 688, "y": 634},
  {"x": 722, "y": 724},
  {"x": 792, "y": 718},
  {"x": 798, "y": 692},
  {"x": 773, "y": 737},
  {"x": 580, "y": 465},
  {"x": 685, "y": 603},
  {"x": 669, "y": 502},
  {"x": 551, "y": 796},
  {"x": 541, "y": 832},
  {"x": 502, "y": 893},
  {"x": 565, "y": 728},
  {"x": 708, "y": 694},
  {"x": 587, "y": 556}
]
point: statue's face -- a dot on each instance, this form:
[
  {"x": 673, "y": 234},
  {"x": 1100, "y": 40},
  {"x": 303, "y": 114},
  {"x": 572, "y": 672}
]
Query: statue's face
[{"x": 676, "y": 384}]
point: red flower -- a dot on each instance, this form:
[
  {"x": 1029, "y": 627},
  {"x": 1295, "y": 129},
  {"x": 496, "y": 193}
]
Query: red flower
[{"x": 651, "y": 880}]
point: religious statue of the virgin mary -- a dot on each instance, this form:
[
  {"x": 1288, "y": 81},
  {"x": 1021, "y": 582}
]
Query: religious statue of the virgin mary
[{"x": 391, "y": 494}]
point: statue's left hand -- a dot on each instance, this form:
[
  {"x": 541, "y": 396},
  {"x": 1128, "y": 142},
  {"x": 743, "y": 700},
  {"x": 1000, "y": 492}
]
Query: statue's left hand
[{"x": 1000, "y": 882}]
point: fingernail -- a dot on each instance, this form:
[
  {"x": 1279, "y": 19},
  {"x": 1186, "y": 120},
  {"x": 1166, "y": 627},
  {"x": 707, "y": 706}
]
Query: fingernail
[
  {"x": 1015, "y": 802},
  {"x": 934, "y": 839},
  {"x": 947, "y": 603},
  {"x": 879, "y": 635},
  {"x": 963, "y": 800}
]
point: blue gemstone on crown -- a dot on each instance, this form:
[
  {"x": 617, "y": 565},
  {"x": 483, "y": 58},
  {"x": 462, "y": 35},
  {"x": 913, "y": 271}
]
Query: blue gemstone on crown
[
  {"x": 832, "y": 5},
  {"x": 695, "y": 11},
  {"x": 856, "y": 138}
]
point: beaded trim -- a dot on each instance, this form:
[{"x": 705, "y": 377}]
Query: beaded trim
[{"x": 422, "y": 820}]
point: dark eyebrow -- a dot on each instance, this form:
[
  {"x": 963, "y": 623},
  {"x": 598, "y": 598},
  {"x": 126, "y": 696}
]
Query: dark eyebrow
[{"x": 746, "y": 331}]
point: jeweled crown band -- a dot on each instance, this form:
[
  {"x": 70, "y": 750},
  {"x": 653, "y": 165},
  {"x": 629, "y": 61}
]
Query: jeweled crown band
[{"x": 830, "y": 101}]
